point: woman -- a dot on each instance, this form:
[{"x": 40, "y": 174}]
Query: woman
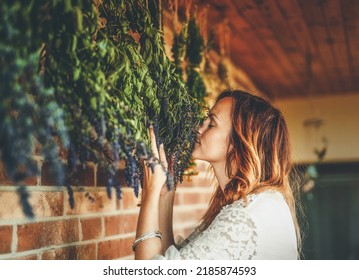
[{"x": 252, "y": 213}]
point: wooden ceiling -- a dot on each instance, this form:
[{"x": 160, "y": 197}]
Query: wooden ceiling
[{"x": 291, "y": 48}]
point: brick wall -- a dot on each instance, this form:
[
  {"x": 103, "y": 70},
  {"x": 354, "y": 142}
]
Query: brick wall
[{"x": 96, "y": 228}]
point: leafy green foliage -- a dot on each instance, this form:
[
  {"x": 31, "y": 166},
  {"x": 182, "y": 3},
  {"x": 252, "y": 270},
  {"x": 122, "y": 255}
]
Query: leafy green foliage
[
  {"x": 72, "y": 76},
  {"x": 179, "y": 47},
  {"x": 29, "y": 113},
  {"x": 189, "y": 45},
  {"x": 195, "y": 44},
  {"x": 195, "y": 84},
  {"x": 194, "y": 55},
  {"x": 180, "y": 114}
]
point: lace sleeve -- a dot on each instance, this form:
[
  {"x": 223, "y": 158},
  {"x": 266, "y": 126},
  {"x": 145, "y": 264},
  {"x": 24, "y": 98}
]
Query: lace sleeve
[
  {"x": 232, "y": 235},
  {"x": 261, "y": 229}
]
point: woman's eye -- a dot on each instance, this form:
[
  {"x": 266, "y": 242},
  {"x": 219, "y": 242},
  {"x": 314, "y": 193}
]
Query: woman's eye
[{"x": 210, "y": 125}]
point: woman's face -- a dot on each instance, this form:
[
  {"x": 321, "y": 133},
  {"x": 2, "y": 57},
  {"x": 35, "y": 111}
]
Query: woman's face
[{"x": 213, "y": 135}]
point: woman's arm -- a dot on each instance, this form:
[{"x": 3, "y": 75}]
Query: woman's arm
[
  {"x": 166, "y": 218},
  {"x": 156, "y": 213},
  {"x": 148, "y": 221},
  {"x": 156, "y": 206}
]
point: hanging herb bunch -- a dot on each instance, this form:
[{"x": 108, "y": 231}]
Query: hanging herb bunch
[
  {"x": 209, "y": 45},
  {"x": 101, "y": 117},
  {"x": 96, "y": 95},
  {"x": 224, "y": 44},
  {"x": 180, "y": 114},
  {"x": 189, "y": 45},
  {"x": 194, "y": 55},
  {"x": 179, "y": 48},
  {"x": 222, "y": 72}
]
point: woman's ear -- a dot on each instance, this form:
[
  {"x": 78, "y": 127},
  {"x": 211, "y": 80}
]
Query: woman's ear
[{"x": 229, "y": 145}]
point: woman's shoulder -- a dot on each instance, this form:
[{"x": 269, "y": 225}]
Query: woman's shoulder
[
  {"x": 263, "y": 206},
  {"x": 268, "y": 203},
  {"x": 252, "y": 201},
  {"x": 272, "y": 223}
]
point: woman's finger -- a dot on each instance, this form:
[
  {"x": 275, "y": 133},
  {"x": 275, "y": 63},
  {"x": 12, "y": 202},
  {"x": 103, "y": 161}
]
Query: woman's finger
[
  {"x": 147, "y": 162},
  {"x": 162, "y": 155},
  {"x": 153, "y": 142}
]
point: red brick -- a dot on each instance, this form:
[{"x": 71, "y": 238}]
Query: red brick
[
  {"x": 5, "y": 180},
  {"x": 102, "y": 177},
  {"x": 187, "y": 231},
  {"x": 79, "y": 252},
  {"x": 83, "y": 205},
  {"x": 6, "y": 239},
  {"x": 195, "y": 197},
  {"x": 178, "y": 235},
  {"x": 63, "y": 152},
  {"x": 177, "y": 201},
  {"x": 190, "y": 198},
  {"x": 120, "y": 224},
  {"x": 114, "y": 249},
  {"x": 200, "y": 212},
  {"x": 129, "y": 200},
  {"x": 185, "y": 216},
  {"x": 38, "y": 235},
  {"x": 27, "y": 257},
  {"x": 91, "y": 228},
  {"x": 44, "y": 204},
  {"x": 47, "y": 176},
  {"x": 199, "y": 180},
  {"x": 83, "y": 176}
]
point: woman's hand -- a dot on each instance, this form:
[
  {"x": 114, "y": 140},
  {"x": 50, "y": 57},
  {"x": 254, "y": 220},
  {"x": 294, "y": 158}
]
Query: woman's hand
[
  {"x": 156, "y": 212},
  {"x": 155, "y": 169}
]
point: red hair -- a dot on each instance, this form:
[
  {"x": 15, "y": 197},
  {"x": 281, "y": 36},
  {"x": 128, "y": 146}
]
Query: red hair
[{"x": 258, "y": 155}]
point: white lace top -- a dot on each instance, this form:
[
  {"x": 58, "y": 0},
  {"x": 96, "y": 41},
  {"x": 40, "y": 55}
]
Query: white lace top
[{"x": 262, "y": 229}]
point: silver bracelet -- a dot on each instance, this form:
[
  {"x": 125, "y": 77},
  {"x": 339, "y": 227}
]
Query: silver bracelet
[{"x": 145, "y": 236}]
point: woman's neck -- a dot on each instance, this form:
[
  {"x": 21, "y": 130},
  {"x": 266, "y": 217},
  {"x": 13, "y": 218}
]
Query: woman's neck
[{"x": 220, "y": 173}]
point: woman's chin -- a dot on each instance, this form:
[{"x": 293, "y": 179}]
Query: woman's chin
[{"x": 196, "y": 154}]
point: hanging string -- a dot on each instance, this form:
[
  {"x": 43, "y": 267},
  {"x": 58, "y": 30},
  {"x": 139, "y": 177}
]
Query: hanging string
[
  {"x": 160, "y": 15},
  {"x": 221, "y": 39},
  {"x": 188, "y": 5},
  {"x": 224, "y": 38},
  {"x": 173, "y": 8},
  {"x": 227, "y": 38},
  {"x": 175, "y": 16},
  {"x": 202, "y": 23}
]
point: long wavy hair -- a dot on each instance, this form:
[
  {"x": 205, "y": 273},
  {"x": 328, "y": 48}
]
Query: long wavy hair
[{"x": 258, "y": 156}]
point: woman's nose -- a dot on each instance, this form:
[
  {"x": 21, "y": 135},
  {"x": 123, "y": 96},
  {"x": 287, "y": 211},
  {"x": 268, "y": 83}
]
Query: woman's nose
[
  {"x": 200, "y": 130},
  {"x": 198, "y": 137}
]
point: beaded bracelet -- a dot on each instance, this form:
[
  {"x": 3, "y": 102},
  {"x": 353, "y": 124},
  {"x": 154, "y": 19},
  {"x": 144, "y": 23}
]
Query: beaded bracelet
[{"x": 145, "y": 236}]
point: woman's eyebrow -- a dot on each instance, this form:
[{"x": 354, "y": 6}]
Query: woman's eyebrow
[{"x": 211, "y": 115}]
